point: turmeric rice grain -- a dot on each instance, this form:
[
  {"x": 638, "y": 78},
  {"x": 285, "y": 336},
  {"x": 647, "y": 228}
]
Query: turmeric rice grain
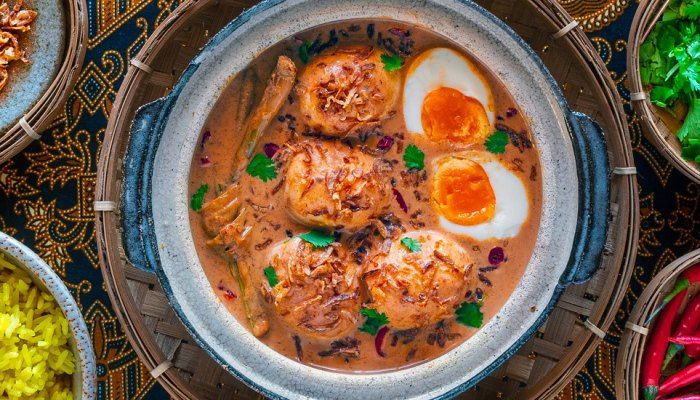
[{"x": 36, "y": 361}]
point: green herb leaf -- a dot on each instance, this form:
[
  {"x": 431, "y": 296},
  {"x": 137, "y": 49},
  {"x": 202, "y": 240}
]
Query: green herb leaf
[
  {"x": 392, "y": 63},
  {"x": 374, "y": 320},
  {"x": 271, "y": 276},
  {"x": 304, "y": 54},
  {"x": 197, "y": 200},
  {"x": 412, "y": 245},
  {"x": 413, "y": 157},
  {"x": 263, "y": 167},
  {"x": 496, "y": 143},
  {"x": 470, "y": 314},
  {"x": 317, "y": 238},
  {"x": 689, "y": 134}
]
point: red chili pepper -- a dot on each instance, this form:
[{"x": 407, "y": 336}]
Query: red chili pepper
[
  {"x": 680, "y": 286},
  {"x": 379, "y": 340},
  {"x": 693, "y": 351},
  {"x": 689, "y": 276},
  {"x": 686, "y": 376},
  {"x": 685, "y": 340},
  {"x": 684, "y": 397},
  {"x": 692, "y": 273},
  {"x": 687, "y": 325},
  {"x": 656, "y": 347}
]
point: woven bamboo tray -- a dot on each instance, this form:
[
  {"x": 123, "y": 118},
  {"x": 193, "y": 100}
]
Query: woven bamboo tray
[
  {"x": 629, "y": 358},
  {"x": 49, "y": 104},
  {"x": 659, "y": 130},
  {"x": 540, "y": 369}
]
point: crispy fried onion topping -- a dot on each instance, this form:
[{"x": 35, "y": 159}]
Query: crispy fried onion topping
[{"x": 13, "y": 21}]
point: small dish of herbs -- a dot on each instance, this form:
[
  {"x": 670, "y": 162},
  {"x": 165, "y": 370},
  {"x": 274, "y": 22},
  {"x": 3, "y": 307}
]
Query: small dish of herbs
[{"x": 669, "y": 66}]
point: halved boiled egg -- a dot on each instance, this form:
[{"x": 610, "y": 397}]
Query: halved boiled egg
[
  {"x": 446, "y": 98},
  {"x": 478, "y": 196}
]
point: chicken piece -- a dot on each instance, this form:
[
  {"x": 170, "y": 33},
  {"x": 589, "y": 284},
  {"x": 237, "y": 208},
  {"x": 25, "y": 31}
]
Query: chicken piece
[
  {"x": 276, "y": 93},
  {"x": 347, "y": 89},
  {"x": 332, "y": 186},
  {"x": 222, "y": 210},
  {"x": 318, "y": 289},
  {"x": 218, "y": 213},
  {"x": 234, "y": 233},
  {"x": 416, "y": 289}
]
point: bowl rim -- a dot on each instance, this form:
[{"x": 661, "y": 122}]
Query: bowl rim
[{"x": 81, "y": 343}]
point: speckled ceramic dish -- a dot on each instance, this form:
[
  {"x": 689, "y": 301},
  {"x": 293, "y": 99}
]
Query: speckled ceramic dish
[
  {"x": 84, "y": 378},
  {"x": 156, "y": 226},
  {"x": 44, "y": 46}
]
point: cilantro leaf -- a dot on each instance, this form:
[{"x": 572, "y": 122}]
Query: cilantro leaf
[
  {"x": 689, "y": 134},
  {"x": 391, "y": 63},
  {"x": 271, "y": 276},
  {"x": 374, "y": 320},
  {"x": 413, "y": 157},
  {"x": 317, "y": 238},
  {"x": 470, "y": 314},
  {"x": 197, "y": 200},
  {"x": 496, "y": 143},
  {"x": 411, "y": 244},
  {"x": 662, "y": 96},
  {"x": 263, "y": 167},
  {"x": 304, "y": 54}
]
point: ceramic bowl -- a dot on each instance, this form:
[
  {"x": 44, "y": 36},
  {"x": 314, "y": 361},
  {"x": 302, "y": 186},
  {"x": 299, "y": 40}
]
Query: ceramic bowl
[
  {"x": 44, "y": 45},
  {"x": 164, "y": 136},
  {"x": 84, "y": 378}
]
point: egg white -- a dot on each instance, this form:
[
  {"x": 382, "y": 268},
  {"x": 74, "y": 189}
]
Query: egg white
[
  {"x": 512, "y": 205},
  {"x": 441, "y": 67}
]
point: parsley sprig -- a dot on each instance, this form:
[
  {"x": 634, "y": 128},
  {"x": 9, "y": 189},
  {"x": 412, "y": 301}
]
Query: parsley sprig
[
  {"x": 271, "y": 276},
  {"x": 496, "y": 143},
  {"x": 411, "y": 244},
  {"x": 304, "y": 54},
  {"x": 391, "y": 63},
  {"x": 262, "y": 166},
  {"x": 469, "y": 314},
  {"x": 374, "y": 321},
  {"x": 197, "y": 200},
  {"x": 413, "y": 157},
  {"x": 317, "y": 238}
]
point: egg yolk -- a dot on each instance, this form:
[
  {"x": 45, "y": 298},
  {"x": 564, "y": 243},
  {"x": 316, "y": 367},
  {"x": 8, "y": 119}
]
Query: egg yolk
[
  {"x": 463, "y": 193},
  {"x": 448, "y": 114}
]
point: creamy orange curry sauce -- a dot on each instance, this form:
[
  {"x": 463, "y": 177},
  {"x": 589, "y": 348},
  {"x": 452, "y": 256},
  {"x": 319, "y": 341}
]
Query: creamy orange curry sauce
[{"x": 365, "y": 196}]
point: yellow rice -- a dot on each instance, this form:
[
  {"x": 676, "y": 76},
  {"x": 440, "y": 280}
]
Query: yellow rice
[{"x": 35, "y": 357}]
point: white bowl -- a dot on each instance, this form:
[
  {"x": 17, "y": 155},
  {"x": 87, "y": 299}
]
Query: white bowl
[{"x": 84, "y": 379}]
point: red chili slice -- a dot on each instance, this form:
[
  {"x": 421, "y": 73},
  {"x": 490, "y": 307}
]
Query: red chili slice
[
  {"x": 228, "y": 293},
  {"x": 379, "y": 340},
  {"x": 205, "y": 162}
]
